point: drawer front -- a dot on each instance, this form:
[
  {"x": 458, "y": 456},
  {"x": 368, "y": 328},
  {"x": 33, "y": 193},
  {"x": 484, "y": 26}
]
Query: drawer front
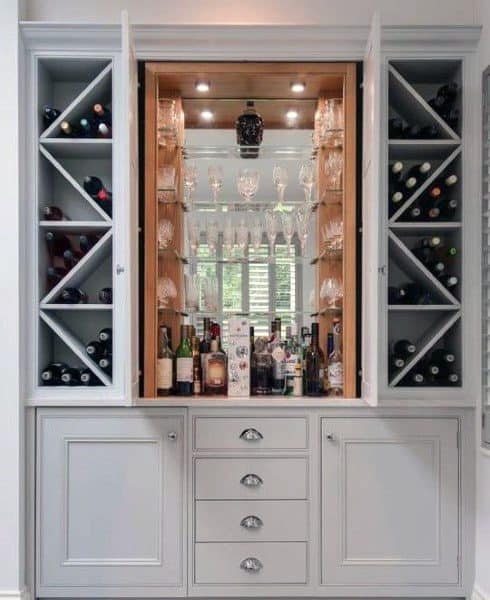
[
  {"x": 223, "y": 433},
  {"x": 251, "y": 478},
  {"x": 251, "y": 520},
  {"x": 267, "y": 563}
]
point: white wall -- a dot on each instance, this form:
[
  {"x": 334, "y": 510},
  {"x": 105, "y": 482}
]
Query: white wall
[
  {"x": 317, "y": 12},
  {"x": 482, "y": 576}
]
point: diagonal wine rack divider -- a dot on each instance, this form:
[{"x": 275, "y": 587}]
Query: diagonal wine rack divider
[
  {"x": 73, "y": 182},
  {"x": 97, "y": 90},
  {"x": 83, "y": 268},
  {"x": 409, "y": 263},
  {"x": 405, "y": 96},
  {"x": 424, "y": 344},
  {"x": 70, "y": 340},
  {"x": 421, "y": 189}
]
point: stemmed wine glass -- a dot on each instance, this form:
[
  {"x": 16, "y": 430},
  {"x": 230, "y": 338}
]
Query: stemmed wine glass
[
  {"x": 248, "y": 183},
  {"x": 165, "y": 234},
  {"x": 242, "y": 236},
  {"x": 194, "y": 234},
  {"x": 212, "y": 233},
  {"x": 271, "y": 228},
  {"x": 288, "y": 228},
  {"x": 192, "y": 287},
  {"x": 210, "y": 293},
  {"x": 307, "y": 177},
  {"x": 280, "y": 180},
  {"x": 256, "y": 233},
  {"x": 166, "y": 291},
  {"x": 190, "y": 181},
  {"x": 215, "y": 178},
  {"x": 302, "y": 215},
  {"x": 228, "y": 236}
]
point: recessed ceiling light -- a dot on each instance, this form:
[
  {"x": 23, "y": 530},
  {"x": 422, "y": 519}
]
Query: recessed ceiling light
[
  {"x": 202, "y": 86},
  {"x": 292, "y": 115},
  {"x": 298, "y": 87},
  {"x": 207, "y": 115}
]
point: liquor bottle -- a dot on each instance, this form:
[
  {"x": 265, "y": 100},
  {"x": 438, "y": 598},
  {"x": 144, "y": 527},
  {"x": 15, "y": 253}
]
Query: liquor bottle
[
  {"x": 54, "y": 275},
  {"x": 50, "y": 115},
  {"x": 196, "y": 367},
  {"x": 105, "y": 363},
  {"x": 70, "y": 376},
  {"x": 53, "y": 213},
  {"x": 215, "y": 370},
  {"x": 395, "y": 128},
  {"x": 164, "y": 364},
  {"x": 102, "y": 114},
  {"x": 278, "y": 359},
  {"x": 96, "y": 350},
  {"x": 298, "y": 378},
  {"x": 184, "y": 363},
  {"x": 305, "y": 344},
  {"x": 72, "y": 295},
  {"x": 105, "y": 336},
  {"x": 292, "y": 350},
  {"x": 315, "y": 364},
  {"x": 105, "y": 295},
  {"x": 51, "y": 374},
  {"x": 395, "y": 171},
  {"x": 420, "y": 171},
  {"x": 335, "y": 362},
  {"x": 262, "y": 365},
  {"x": 88, "y": 378},
  {"x": 249, "y": 131},
  {"x": 87, "y": 241},
  {"x": 205, "y": 345},
  {"x": 57, "y": 243},
  {"x": 404, "y": 348}
]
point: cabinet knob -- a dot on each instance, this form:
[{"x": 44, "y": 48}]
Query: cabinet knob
[
  {"x": 251, "y": 480},
  {"x": 251, "y": 565},
  {"x": 172, "y": 436},
  {"x": 251, "y": 435},
  {"x": 251, "y": 522},
  {"x": 330, "y": 436}
]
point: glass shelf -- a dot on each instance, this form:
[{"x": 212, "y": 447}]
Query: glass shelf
[
  {"x": 235, "y": 313},
  {"x": 261, "y": 260},
  {"x": 265, "y": 151}
]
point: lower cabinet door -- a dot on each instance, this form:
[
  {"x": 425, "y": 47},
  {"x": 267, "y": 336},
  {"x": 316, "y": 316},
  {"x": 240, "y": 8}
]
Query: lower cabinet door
[
  {"x": 110, "y": 503},
  {"x": 389, "y": 501}
]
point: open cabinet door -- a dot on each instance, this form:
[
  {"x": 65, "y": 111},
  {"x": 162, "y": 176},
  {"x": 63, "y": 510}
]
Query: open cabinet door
[
  {"x": 129, "y": 175},
  {"x": 371, "y": 213}
]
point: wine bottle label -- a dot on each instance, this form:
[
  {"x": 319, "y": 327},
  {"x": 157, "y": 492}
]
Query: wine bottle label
[
  {"x": 336, "y": 374},
  {"x": 291, "y": 361},
  {"x": 184, "y": 370},
  {"x": 164, "y": 373}
]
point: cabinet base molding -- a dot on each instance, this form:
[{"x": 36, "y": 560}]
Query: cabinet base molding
[
  {"x": 23, "y": 594},
  {"x": 479, "y": 594}
]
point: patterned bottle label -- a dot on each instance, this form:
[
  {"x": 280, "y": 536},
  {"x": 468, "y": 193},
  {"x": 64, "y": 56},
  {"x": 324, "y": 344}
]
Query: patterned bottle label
[
  {"x": 164, "y": 373},
  {"x": 184, "y": 370},
  {"x": 336, "y": 374}
]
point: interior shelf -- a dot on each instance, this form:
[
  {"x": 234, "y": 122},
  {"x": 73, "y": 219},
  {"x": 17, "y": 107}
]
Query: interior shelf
[
  {"x": 71, "y": 226},
  {"x": 421, "y": 307},
  {"x": 425, "y": 226},
  {"x": 235, "y": 151},
  {"x": 413, "y": 149},
  {"x": 76, "y": 307},
  {"x": 78, "y": 147}
]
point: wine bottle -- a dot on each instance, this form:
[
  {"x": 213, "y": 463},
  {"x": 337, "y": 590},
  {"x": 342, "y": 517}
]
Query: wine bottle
[
  {"x": 70, "y": 376},
  {"x": 429, "y": 132},
  {"x": 71, "y": 258},
  {"x": 436, "y": 267},
  {"x": 96, "y": 350},
  {"x": 103, "y": 130},
  {"x": 50, "y": 115},
  {"x": 396, "y": 363},
  {"x": 404, "y": 348},
  {"x": 414, "y": 213},
  {"x": 437, "y": 103},
  {"x": 72, "y": 295},
  {"x": 396, "y": 295},
  {"x": 440, "y": 356},
  {"x": 88, "y": 378},
  {"x": 105, "y": 295},
  {"x": 69, "y": 130},
  {"x": 416, "y": 378},
  {"x": 55, "y": 275},
  {"x": 57, "y": 243},
  {"x": 196, "y": 367},
  {"x": 336, "y": 362},
  {"x": 315, "y": 364},
  {"x": 102, "y": 114},
  {"x": 51, "y": 374},
  {"x": 87, "y": 241},
  {"x": 412, "y": 132},
  {"x": 395, "y": 128},
  {"x": 447, "y": 208},
  {"x": 185, "y": 363},
  {"x": 216, "y": 369},
  {"x": 278, "y": 353},
  {"x": 395, "y": 171},
  {"x": 449, "y": 91},
  {"x": 86, "y": 128},
  {"x": 105, "y": 335},
  {"x": 420, "y": 171},
  {"x": 53, "y": 213},
  {"x": 164, "y": 365},
  {"x": 451, "y": 116},
  {"x": 431, "y": 370},
  {"x": 105, "y": 363},
  {"x": 449, "y": 281},
  {"x": 95, "y": 188},
  {"x": 415, "y": 294},
  {"x": 431, "y": 242}
]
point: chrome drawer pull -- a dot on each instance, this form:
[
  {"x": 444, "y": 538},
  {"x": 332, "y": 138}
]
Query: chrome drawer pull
[
  {"x": 251, "y": 565},
  {"x": 251, "y": 480},
  {"x": 251, "y": 522},
  {"x": 251, "y": 435}
]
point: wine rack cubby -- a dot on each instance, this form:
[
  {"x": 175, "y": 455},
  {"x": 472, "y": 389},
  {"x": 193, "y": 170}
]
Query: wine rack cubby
[
  {"x": 425, "y": 240},
  {"x": 75, "y": 241}
]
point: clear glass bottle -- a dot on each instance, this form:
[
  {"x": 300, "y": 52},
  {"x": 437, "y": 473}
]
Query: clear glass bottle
[
  {"x": 184, "y": 363},
  {"x": 216, "y": 370},
  {"x": 336, "y": 363},
  {"x": 315, "y": 364},
  {"x": 293, "y": 352},
  {"x": 262, "y": 366},
  {"x": 164, "y": 364}
]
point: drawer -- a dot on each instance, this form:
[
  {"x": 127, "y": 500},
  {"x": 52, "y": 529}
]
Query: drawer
[
  {"x": 251, "y": 478},
  {"x": 251, "y": 520},
  {"x": 268, "y": 433},
  {"x": 275, "y": 563}
]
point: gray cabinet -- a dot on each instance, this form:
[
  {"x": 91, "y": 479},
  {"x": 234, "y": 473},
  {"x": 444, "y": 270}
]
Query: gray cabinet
[
  {"x": 389, "y": 502},
  {"x": 110, "y": 502}
]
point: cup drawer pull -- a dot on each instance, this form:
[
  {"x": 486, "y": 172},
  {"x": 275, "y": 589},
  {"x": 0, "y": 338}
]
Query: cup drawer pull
[
  {"x": 251, "y": 480},
  {"x": 251, "y": 522},
  {"x": 251, "y": 565},
  {"x": 251, "y": 435}
]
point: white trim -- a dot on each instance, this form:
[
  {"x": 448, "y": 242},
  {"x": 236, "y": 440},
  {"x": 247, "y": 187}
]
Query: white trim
[
  {"x": 479, "y": 594},
  {"x": 22, "y": 594}
]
